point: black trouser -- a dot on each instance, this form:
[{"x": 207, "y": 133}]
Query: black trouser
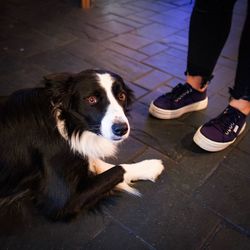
[{"x": 210, "y": 25}]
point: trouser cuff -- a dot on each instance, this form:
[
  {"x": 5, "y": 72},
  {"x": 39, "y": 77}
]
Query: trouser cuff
[
  {"x": 238, "y": 95},
  {"x": 205, "y": 79}
]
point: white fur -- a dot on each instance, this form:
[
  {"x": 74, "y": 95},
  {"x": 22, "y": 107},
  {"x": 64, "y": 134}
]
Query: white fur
[
  {"x": 114, "y": 111},
  {"x": 92, "y": 145},
  {"x": 144, "y": 170}
]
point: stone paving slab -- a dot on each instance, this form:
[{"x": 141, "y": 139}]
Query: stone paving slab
[
  {"x": 226, "y": 193},
  {"x": 226, "y": 238},
  {"x": 153, "y": 48},
  {"x": 132, "y": 41},
  {"x": 168, "y": 221},
  {"x": 59, "y": 61},
  {"x": 244, "y": 144},
  {"x": 168, "y": 17},
  {"x": 155, "y": 31},
  {"x": 153, "y": 79},
  {"x": 116, "y": 236},
  {"x": 156, "y": 6},
  {"x": 37, "y": 233},
  {"x": 138, "y": 91},
  {"x": 114, "y": 27},
  {"x": 122, "y": 65},
  {"x": 167, "y": 63},
  {"x": 133, "y": 54}
]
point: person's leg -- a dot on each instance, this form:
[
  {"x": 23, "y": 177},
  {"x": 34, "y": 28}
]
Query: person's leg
[
  {"x": 222, "y": 131},
  {"x": 210, "y": 24},
  {"x": 240, "y": 93}
]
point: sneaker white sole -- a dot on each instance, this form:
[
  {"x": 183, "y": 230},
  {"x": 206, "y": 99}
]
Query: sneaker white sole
[
  {"x": 212, "y": 146},
  {"x": 171, "y": 114}
]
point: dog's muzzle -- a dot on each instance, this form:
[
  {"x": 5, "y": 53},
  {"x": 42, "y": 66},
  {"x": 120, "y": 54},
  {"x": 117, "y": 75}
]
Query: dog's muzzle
[{"x": 120, "y": 128}]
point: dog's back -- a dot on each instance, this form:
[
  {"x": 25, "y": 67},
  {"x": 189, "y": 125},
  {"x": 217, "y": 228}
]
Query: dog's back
[{"x": 20, "y": 115}]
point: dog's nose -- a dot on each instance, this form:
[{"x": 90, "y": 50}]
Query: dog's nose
[{"x": 120, "y": 128}]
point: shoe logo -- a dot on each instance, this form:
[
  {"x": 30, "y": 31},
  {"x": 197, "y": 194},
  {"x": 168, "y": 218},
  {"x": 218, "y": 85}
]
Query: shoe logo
[
  {"x": 236, "y": 128},
  {"x": 229, "y": 130}
]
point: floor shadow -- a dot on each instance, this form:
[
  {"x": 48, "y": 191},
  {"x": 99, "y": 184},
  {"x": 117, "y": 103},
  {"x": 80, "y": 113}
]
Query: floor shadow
[{"x": 188, "y": 143}]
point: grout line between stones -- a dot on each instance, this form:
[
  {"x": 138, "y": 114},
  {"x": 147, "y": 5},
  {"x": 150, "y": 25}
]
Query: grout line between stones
[{"x": 130, "y": 231}]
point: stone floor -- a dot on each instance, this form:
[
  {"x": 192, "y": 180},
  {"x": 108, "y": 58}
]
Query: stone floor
[{"x": 202, "y": 199}]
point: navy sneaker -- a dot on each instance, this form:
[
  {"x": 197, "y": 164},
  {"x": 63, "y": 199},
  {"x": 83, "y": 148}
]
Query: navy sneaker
[
  {"x": 182, "y": 99},
  {"x": 219, "y": 133}
]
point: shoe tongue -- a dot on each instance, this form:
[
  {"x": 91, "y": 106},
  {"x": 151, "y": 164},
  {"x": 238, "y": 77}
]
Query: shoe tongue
[{"x": 178, "y": 89}]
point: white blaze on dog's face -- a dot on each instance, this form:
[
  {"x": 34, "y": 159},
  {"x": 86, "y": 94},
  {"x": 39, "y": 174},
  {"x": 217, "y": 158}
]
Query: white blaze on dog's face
[{"x": 114, "y": 125}]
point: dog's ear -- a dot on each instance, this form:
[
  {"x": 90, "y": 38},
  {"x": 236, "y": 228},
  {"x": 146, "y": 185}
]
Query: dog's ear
[
  {"x": 57, "y": 77},
  {"x": 60, "y": 87}
]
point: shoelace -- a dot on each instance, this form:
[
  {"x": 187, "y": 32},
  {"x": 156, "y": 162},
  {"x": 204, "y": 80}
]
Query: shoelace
[
  {"x": 226, "y": 121},
  {"x": 178, "y": 92}
]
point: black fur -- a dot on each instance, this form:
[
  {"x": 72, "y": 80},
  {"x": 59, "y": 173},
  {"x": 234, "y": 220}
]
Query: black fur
[{"x": 36, "y": 161}]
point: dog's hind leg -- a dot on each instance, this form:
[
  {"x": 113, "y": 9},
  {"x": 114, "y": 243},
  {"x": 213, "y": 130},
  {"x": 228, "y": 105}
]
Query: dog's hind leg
[{"x": 144, "y": 170}]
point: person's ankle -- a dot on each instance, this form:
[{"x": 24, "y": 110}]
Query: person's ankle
[
  {"x": 195, "y": 83},
  {"x": 242, "y": 105}
]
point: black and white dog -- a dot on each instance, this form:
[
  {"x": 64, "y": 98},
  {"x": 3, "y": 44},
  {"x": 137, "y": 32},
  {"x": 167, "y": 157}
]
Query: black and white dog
[{"x": 53, "y": 141}]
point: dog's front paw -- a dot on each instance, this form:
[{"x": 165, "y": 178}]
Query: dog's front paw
[
  {"x": 151, "y": 169},
  {"x": 144, "y": 170}
]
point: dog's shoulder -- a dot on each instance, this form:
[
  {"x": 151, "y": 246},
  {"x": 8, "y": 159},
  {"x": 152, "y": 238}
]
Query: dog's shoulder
[{"x": 26, "y": 122}]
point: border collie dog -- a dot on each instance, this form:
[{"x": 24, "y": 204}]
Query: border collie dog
[{"x": 53, "y": 141}]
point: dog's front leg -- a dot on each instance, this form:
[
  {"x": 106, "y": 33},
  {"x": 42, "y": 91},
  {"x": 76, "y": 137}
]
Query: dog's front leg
[{"x": 144, "y": 170}]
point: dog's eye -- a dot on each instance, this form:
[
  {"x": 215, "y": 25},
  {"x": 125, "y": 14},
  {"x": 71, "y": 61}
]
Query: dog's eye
[
  {"x": 121, "y": 97},
  {"x": 91, "y": 100}
]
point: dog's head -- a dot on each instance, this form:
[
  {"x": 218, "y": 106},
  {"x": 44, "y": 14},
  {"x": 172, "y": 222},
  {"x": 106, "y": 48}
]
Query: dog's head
[{"x": 90, "y": 109}]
